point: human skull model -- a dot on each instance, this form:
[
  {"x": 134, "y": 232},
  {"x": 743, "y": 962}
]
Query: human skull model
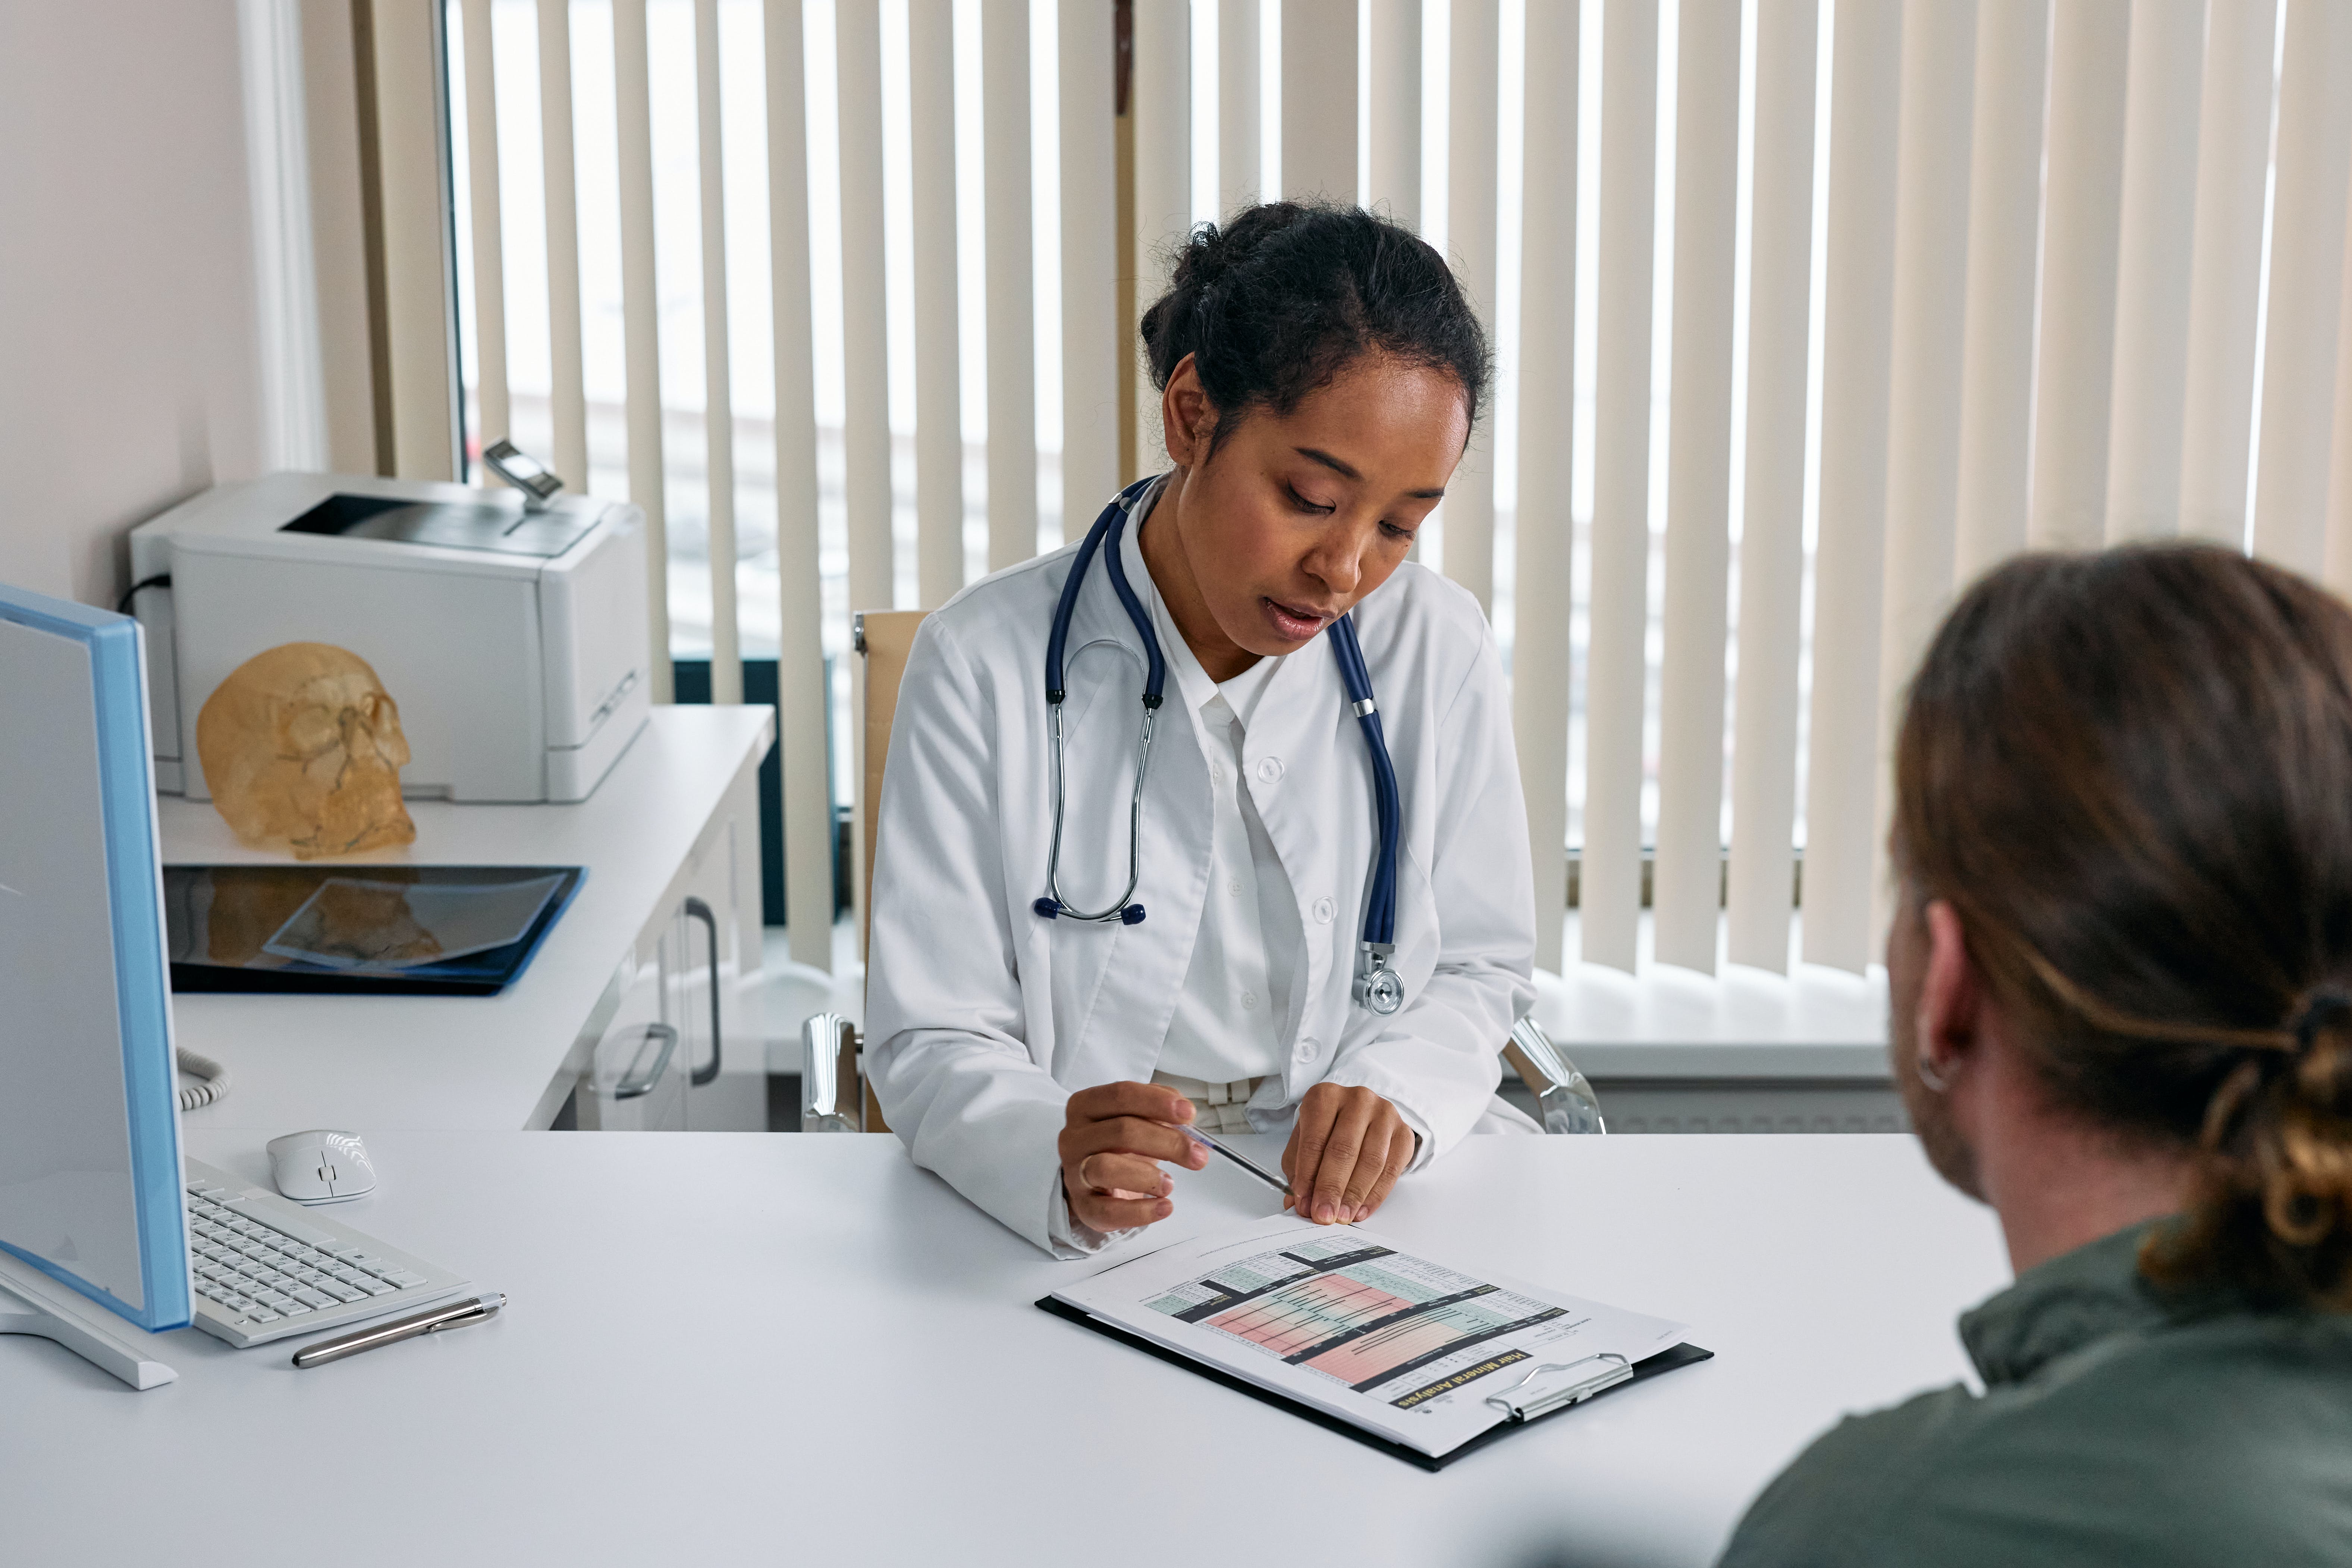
[{"x": 301, "y": 749}]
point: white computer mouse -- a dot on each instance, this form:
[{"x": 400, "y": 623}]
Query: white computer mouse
[{"x": 321, "y": 1167}]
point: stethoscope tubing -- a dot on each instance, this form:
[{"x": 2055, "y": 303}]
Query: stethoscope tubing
[
  {"x": 1117, "y": 910},
  {"x": 1107, "y": 527},
  {"x": 1376, "y": 986},
  {"x": 1380, "y": 904},
  {"x": 1104, "y": 536}
]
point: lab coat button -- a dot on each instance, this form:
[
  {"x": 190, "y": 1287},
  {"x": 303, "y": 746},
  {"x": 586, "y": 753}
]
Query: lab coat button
[
  {"x": 1306, "y": 1048},
  {"x": 1324, "y": 911},
  {"x": 1269, "y": 769},
  {"x": 1249, "y": 998}
]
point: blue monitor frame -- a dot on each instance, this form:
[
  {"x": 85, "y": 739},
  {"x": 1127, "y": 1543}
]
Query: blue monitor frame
[{"x": 118, "y": 667}]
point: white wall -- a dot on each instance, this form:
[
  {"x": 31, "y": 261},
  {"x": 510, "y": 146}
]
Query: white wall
[{"x": 129, "y": 367}]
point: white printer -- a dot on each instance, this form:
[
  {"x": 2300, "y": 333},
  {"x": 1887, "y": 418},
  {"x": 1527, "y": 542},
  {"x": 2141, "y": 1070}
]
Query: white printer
[{"x": 512, "y": 636}]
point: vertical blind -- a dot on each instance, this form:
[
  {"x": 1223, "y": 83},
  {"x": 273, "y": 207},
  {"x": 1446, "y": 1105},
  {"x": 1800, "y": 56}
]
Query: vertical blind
[{"x": 1807, "y": 311}]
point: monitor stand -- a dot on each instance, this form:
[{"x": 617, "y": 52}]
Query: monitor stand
[{"x": 33, "y": 1303}]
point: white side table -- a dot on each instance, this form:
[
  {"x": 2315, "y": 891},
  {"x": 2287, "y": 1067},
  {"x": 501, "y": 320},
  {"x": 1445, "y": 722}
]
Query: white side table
[{"x": 676, "y": 818}]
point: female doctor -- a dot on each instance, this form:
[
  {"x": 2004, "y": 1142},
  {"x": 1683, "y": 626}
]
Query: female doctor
[{"x": 1197, "y": 704}]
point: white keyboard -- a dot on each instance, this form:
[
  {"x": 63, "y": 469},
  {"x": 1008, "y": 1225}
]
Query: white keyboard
[{"x": 265, "y": 1268}]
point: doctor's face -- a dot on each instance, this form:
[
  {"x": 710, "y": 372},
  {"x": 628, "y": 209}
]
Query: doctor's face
[{"x": 1298, "y": 516}]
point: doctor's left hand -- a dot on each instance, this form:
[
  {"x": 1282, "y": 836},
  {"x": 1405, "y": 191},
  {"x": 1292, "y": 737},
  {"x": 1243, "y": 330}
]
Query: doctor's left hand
[{"x": 1346, "y": 1150}]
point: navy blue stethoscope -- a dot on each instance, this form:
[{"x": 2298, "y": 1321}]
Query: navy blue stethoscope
[{"x": 1377, "y": 986}]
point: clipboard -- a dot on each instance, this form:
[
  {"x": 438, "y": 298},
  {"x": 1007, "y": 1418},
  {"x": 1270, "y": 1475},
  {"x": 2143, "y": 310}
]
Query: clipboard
[{"x": 1529, "y": 1405}]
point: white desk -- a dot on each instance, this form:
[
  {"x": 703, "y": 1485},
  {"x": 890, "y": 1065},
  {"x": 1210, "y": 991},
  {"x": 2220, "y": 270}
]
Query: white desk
[
  {"x": 508, "y": 1061},
  {"x": 832, "y": 1358}
]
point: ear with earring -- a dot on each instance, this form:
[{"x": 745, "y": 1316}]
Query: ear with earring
[{"x": 1935, "y": 1076}]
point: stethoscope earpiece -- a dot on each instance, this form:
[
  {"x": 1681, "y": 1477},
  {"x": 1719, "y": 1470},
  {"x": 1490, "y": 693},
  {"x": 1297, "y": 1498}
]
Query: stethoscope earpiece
[{"x": 1377, "y": 987}]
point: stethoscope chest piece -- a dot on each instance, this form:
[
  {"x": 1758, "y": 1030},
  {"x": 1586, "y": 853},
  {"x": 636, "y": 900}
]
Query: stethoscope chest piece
[{"x": 1377, "y": 987}]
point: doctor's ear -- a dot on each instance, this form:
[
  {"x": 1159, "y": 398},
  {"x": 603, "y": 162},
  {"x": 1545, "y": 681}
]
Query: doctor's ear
[{"x": 1187, "y": 417}]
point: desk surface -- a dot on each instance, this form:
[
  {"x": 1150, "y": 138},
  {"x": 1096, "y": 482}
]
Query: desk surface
[
  {"x": 490, "y": 1063},
  {"x": 828, "y": 1356}
]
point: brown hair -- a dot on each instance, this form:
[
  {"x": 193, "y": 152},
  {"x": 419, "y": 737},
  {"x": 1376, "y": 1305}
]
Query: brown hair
[{"x": 2130, "y": 776}]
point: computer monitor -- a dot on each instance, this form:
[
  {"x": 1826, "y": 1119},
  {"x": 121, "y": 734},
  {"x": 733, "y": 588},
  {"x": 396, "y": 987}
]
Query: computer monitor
[{"x": 91, "y": 1209}]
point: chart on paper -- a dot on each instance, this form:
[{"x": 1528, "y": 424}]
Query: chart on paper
[
  {"x": 1361, "y": 1315},
  {"x": 1348, "y": 1323}
]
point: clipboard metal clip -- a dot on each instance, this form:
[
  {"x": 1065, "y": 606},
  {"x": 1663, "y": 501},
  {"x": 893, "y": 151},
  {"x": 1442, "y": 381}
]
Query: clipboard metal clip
[{"x": 1521, "y": 1406}]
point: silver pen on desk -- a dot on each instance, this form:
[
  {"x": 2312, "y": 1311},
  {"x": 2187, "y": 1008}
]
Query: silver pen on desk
[
  {"x": 432, "y": 1320},
  {"x": 1252, "y": 1166}
]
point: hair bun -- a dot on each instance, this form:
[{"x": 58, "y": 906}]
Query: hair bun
[
  {"x": 1277, "y": 301},
  {"x": 1206, "y": 256}
]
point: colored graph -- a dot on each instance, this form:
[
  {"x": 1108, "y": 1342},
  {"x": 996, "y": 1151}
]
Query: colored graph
[
  {"x": 1368, "y": 1358},
  {"x": 1293, "y": 1318}
]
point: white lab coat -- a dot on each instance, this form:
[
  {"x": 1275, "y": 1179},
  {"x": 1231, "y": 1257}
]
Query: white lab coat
[{"x": 982, "y": 1016}]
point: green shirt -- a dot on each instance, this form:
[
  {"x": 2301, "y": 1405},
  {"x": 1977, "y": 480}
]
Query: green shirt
[{"x": 2117, "y": 1425}]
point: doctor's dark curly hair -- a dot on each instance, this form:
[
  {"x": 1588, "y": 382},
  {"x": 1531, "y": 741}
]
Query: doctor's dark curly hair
[{"x": 1276, "y": 304}]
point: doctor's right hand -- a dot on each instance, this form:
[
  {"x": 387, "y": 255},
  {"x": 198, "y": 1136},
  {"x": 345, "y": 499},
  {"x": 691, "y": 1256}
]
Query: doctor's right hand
[{"x": 1111, "y": 1145}]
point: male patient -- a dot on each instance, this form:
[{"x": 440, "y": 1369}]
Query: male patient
[{"x": 2121, "y": 972}]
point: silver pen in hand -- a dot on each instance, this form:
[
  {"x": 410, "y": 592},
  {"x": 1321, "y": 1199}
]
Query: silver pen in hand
[
  {"x": 432, "y": 1320},
  {"x": 1252, "y": 1166}
]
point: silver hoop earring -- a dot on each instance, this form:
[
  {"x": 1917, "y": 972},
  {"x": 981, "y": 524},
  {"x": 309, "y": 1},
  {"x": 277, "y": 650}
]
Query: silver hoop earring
[{"x": 1931, "y": 1075}]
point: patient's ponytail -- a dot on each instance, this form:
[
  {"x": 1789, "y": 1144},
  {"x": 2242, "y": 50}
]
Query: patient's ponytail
[
  {"x": 2131, "y": 774},
  {"x": 2273, "y": 1196}
]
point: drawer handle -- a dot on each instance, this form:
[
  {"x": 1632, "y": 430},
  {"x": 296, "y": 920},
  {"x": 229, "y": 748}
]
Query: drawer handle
[
  {"x": 634, "y": 1084},
  {"x": 697, "y": 910}
]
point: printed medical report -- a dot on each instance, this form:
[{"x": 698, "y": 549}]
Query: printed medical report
[{"x": 1347, "y": 1320}]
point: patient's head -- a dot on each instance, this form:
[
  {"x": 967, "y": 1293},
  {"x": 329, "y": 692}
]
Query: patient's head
[{"x": 2126, "y": 778}]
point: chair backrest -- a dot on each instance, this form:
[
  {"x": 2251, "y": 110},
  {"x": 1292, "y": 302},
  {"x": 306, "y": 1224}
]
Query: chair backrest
[{"x": 885, "y": 637}]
